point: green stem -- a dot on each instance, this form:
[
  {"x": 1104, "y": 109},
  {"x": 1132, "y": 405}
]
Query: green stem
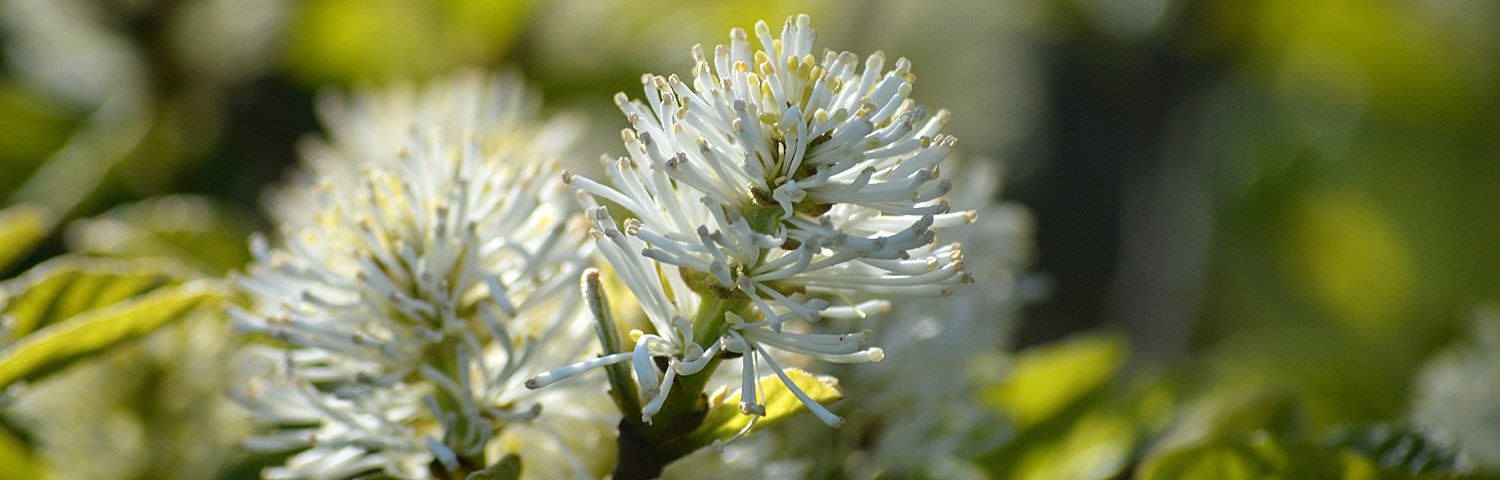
[
  {"x": 647, "y": 448},
  {"x": 644, "y": 449},
  {"x": 444, "y": 358},
  {"x": 684, "y": 400},
  {"x": 709, "y": 324}
]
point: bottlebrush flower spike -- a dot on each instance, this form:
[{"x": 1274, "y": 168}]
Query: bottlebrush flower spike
[
  {"x": 768, "y": 188},
  {"x": 413, "y": 292}
]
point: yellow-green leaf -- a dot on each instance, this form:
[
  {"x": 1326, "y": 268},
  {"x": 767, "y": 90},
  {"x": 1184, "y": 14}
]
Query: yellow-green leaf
[
  {"x": 62, "y": 288},
  {"x": 1226, "y": 461},
  {"x": 724, "y": 419},
  {"x": 1046, "y": 380},
  {"x": 21, "y": 227},
  {"x": 17, "y": 461},
  {"x": 1097, "y": 445},
  {"x": 90, "y": 332}
]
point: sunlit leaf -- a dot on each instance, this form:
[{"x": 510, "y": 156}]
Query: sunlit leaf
[
  {"x": 1098, "y": 445},
  {"x": 189, "y": 230},
  {"x": 90, "y": 332},
  {"x": 1097, "y": 435},
  {"x": 65, "y": 287},
  {"x": 1048, "y": 379},
  {"x": 724, "y": 419},
  {"x": 21, "y": 227}
]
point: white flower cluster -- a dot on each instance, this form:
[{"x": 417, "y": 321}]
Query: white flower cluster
[
  {"x": 372, "y": 127},
  {"x": 771, "y": 187},
  {"x": 909, "y": 421},
  {"x": 916, "y": 416},
  {"x": 416, "y": 285}
]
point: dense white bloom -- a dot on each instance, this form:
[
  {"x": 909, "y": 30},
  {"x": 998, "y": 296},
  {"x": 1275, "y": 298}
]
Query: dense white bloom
[
  {"x": 772, "y": 179},
  {"x": 371, "y": 128},
  {"x": 415, "y": 290},
  {"x": 918, "y": 413}
]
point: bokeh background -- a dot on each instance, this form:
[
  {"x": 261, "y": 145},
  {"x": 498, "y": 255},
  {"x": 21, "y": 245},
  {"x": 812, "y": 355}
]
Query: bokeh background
[{"x": 1287, "y": 201}]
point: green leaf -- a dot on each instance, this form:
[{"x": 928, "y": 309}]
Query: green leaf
[
  {"x": 93, "y": 331},
  {"x": 1098, "y": 436},
  {"x": 1047, "y": 380},
  {"x": 194, "y": 231},
  {"x": 1097, "y": 445},
  {"x": 1226, "y": 461},
  {"x": 508, "y": 468},
  {"x": 21, "y": 227},
  {"x": 1075, "y": 414},
  {"x": 17, "y": 461},
  {"x": 62, "y": 288},
  {"x": 724, "y": 419}
]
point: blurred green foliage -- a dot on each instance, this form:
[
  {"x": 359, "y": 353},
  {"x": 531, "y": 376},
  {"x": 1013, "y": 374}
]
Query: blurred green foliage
[
  {"x": 1069, "y": 400},
  {"x": 1457, "y": 388},
  {"x": 353, "y": 41},
  {"x": 21, "y": 228},
  {"x": 148, "y": 271},
  {"x": 1347, "y": 148},
  {"x": 36, "y": 127},
  {"x": 1353, "y": 234},
  {"x": 1256, "y": 459},
  {"x": 195, "y": 232},
  {"x": 1165, "y": 425}
]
